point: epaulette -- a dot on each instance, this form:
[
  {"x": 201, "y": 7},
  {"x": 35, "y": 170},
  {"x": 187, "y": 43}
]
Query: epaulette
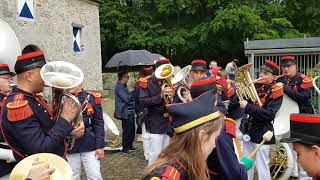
[
  {"x": 90, "y": 110},
  {"x": 19, "y": 109},
  {"x": 143, "y": 82},
  {"x": 231, "y": 92},
  {"x": 306, "y": 82},
  {"x": 171, "y": 173},
  {"x": 276, "y": 92},
  {"x": 230, "y": 127},
  {"x": 97, "y": 97}
]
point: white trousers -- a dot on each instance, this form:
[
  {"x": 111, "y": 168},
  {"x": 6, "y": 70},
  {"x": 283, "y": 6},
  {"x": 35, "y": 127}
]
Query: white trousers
[
  {"x": 157, "y": 143},
  {"x": 90, "y": 162},
  {"x": 260, "y": 161},
  {"x": 6, "y": 177},
  {"x": 146, "y": 142},
  {"x": 239, "y": 133}
]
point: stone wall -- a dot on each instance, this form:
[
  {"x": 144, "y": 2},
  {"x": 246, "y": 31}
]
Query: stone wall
[
  {"x": 110, "y": 79},
  {"x": 51, "y": 31}
]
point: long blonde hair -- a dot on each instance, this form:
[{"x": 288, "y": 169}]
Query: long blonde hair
[{"x": 188, "y": 148}]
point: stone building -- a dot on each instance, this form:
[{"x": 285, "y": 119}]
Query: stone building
[{"x": 66, "y": 30}]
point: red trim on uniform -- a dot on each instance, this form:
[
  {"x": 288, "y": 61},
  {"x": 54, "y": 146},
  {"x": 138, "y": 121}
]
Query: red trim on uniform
[
  {"x": 271, "y": 63},
  {"x": 30, "y": 55},
  {"x": 305, "y": 118},
  {"x": 182, "y": 166},
  {"x": 4, "y": 66},
  {"x": 163, "y": 61},
  {"x": 199, "y": 61},
  {"x": 148, "y": 68},
  {"x": 171, "y": 173},
  {"x": 231, "y": 92},
  {"x": 204, "y": 82},
  {"x": 230, "y": 125},
  {"x": 287, "y": 58}
]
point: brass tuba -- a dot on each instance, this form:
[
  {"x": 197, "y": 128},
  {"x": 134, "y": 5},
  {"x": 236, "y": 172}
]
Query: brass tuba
[
  {"x": 245, "y": 86},
  {"x": 165, "y": 72},
  {"x": 182, "y": 78},
  {"x": 61, "y": 76},
  {"x": 281, "y": 158}
]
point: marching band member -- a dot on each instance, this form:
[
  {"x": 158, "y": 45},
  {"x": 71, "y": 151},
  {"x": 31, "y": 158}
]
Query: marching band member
[
  {"x": 198, "y": 69},
  {"x": 296, "y": 85},
  {"x": 223, "y": 159},
  {"x": 5, "y": 81},
  {"x": 142, "y": 112},
  {"x": 27, "y": 125},
  {"x": 196, "y": 124},
  {"x": 261, "y": 118},
  {"x": 158, "y": 123},
  {"x": 89, "y": 148},
  {"x": 305, "y": 136}
]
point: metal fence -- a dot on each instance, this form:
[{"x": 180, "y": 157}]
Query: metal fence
[{"x": 305, "y": 64}]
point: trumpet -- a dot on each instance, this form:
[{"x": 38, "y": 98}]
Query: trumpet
[{"x": 165, "y": 72}]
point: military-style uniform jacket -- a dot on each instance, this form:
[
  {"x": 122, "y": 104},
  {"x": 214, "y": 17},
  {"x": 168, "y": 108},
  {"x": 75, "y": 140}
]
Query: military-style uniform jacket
[
  {"x": 299, "y": 89},
  {"x": 5, "y": 168},
  {"x": 234, "y": 109},
  {"x": 150, "y": 97},
  {"x": 174, "y": 171},
  {"x": 271, "y": 97},
  {"x": 29, "y": 128},
  {"x": 93, "y": 137},
  {"x": 223, "y": 162}
]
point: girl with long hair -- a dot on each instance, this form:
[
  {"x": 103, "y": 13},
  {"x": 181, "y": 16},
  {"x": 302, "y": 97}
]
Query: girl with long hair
[{"x": 196, "y": 124}]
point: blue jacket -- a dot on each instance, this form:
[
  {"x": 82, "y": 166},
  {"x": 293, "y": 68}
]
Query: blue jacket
[
  {"x": 150, "y": 97},
  {"x": 34, "y": 130},
  {"x": 93, "y": 137},
  {"x": 223, "y": 163},
  {"x": 5, "y": 168},
  {"x": 124, "y": 102},
  {"x": 299, "y": 89},
  {"x": 263, "y": 117}
]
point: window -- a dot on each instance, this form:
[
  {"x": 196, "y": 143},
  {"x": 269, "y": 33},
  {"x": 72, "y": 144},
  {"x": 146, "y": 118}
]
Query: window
[
  {"x": 76, "y": 39},
  {"x": 25, "y": 9}
]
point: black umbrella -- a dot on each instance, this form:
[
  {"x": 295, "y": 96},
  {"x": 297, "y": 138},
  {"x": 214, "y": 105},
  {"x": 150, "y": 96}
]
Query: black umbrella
[{"x": 132, "y": 58}]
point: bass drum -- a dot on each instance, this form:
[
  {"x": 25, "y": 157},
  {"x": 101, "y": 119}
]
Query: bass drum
[
  {"x": 281, "y": 157},
  {"x": 9, "y": 45}
]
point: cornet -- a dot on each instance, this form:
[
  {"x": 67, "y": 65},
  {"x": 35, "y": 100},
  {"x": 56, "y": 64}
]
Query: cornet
[
  {"x": 165, "y": 72},
  {"x": 62, "y": 76}
]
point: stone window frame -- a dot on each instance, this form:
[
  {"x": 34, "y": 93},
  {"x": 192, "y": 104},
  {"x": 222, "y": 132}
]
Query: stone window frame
[
  {"x": 79, "y": 26},
  {"x": 24, "y": 18}
]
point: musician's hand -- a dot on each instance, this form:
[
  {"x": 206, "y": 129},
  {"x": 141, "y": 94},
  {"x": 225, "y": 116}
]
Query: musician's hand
[
  {"x": 167, "y": 90},
  {"x": 78, "y": 131},
  {"x": 187, "y": 96},
  {"x": 100, "y": 154},
  {"x": 69, "y": 110},
  {"x": 42, "y": 172},
  {"x": 243, "y": 104}
]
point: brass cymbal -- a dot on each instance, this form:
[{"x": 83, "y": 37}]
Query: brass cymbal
[{"x": 62, "y": 168}]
